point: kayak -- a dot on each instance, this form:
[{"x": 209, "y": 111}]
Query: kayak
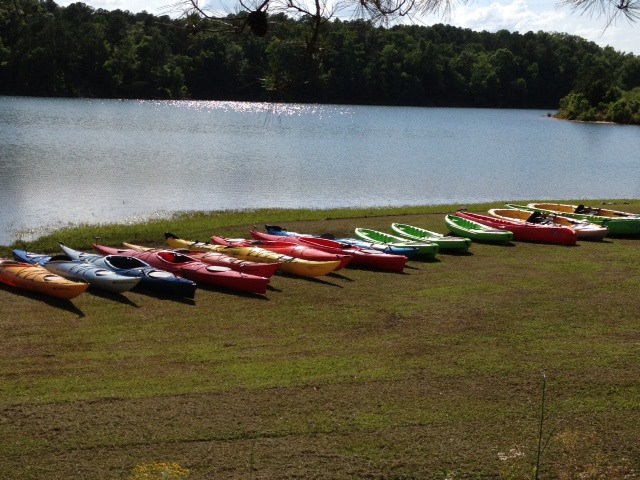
[
  {"x": 444, "y": 242},
  {"x": 200, "y": 272},
  {"x": 408, "y": 252},
  {"x": 585, "y": 230},
  {"x": 79, "y": 270},
  {"x": 425, "y": 249},
  {"x": 288, "y": 264},
  {"x": 584, "y": 210},
  {"x": 362, "y": 257},
  {"x": 619, "y": 223},
  {"x": 476, "y": 231},
  {"x": 159, "y": 281},
  {"x": 38, "y": 279},
  {"x": 266, "y": 270},
  {"x": 391, "y": 249},
  {"x": 526, "y": 232},
  {"x": 304, "y": 252}
]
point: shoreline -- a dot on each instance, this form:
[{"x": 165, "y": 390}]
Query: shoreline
[{"x": 193, "y": 221}]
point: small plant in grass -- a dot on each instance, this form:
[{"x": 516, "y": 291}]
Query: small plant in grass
[
  {"x": 576, "y": 460},
  {"x": 159, "y": 471},
  {"x": 569, "y": 463},
  {"x": 514, "y": 464},
  {"x": 541, "y": 447}
]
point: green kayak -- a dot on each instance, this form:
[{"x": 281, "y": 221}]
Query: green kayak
[
  {"x": 444, "y": 242},
  {"x": 425, "y": 249},
  {"x": 476, "y": 231},
  {"x": 619, "y": 223}
]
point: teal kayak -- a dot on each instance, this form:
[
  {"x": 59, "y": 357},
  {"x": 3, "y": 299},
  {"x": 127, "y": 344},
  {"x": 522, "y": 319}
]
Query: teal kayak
[
  {"x": 476, "y": 231},
  {"x": 425, "y": 249},
  {"x": 444, "y": 242}
]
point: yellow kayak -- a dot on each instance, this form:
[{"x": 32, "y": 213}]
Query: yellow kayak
[
  {"x": 290, "y": 265},
  {"x": 138, "y": 248},
  {"x": 38, "y": 279}
]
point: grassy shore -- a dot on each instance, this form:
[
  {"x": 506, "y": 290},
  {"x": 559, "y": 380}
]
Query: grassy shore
[{"x": 433, "y": 373}]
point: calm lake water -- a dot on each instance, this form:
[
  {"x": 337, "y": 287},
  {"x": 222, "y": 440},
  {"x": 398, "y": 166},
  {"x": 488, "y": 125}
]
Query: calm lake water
[{"x": 68, "y": 161}]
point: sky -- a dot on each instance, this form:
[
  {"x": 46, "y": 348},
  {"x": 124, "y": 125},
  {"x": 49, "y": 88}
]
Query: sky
[{"x": 513, "y": 15}]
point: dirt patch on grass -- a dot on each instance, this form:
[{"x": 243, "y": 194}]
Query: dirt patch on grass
[{"x": 410, "y": 428}]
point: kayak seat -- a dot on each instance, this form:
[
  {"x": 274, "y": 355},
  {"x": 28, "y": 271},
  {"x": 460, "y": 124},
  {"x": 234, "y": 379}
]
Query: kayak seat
[
  {"x": 125, "y": 262},
  {"x": 173, "y": 257},
  {"x": 179, "y": 258},
  {"x": 60, "y": 257},
  {"x": 168, "y": 256},
  {"x": 587, "y": 210},
  {"x": 536, "y": 217}
]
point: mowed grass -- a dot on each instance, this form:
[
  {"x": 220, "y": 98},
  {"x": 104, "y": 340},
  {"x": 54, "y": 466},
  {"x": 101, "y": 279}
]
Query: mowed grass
[{"x": 434, "y": 373}]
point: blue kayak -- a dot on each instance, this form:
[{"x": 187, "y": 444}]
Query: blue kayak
[
  {"x": 154, "y": 279},
  {"x": 410, "y": 252},
  {"x": 66, "y": 267}
]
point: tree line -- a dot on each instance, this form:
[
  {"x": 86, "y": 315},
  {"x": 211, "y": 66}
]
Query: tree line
[{"x": 78, "y": 51}]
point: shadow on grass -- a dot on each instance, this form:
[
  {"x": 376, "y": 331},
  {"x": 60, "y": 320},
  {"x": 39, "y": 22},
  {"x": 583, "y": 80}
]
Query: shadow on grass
[
  {"x": 622, "y": 237},
  {"x": 425, "y": 260},
  {"x": 66, "y": 305},
  {"x": 147, "y": 292},
  {"x": 365, "y": 268},
  {"x": 116, "y": 297},
  {"x": 495, "y": 244},
  {"x": 551, "y": 244},
  {"x": 339, "y": 276},
  {"x": 454, "y": 253},
  {"x": 409, "y": 267},
  {"x": 235, "y": 293},
  {"x": 312, "y": 280}
]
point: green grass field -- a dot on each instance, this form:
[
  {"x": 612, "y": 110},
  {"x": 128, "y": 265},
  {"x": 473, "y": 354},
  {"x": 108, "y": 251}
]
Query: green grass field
[{"x": 430, "y": 374}]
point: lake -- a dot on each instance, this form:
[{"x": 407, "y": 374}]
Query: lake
[{"x": 70, "y": 161}]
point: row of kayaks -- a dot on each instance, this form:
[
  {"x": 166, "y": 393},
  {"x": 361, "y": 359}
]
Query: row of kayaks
[
  {"x": 247, "y": 265},
  {"x": 244, "y": 265},
  {"x": 540, "y": 223},
  {"x": 545, "y": 223}
]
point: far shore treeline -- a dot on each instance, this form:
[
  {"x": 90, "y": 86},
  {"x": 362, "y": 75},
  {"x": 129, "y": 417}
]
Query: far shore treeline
[{"x": 78, "y": 51}]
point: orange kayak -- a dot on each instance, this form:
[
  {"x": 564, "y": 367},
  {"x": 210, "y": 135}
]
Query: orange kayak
[{"x": 38, "y": 279}]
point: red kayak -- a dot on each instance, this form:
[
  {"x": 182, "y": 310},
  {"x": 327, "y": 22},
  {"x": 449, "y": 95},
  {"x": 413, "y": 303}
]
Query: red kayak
[
  {"x": 266, "y": 270},
  {"x": 526, "y": 232},
  {"x": 362, "y": 257},
  {"x": 218, "y": 259},
  {"x": 287, "y": 248},
  {"x": 188, "y": 267}
]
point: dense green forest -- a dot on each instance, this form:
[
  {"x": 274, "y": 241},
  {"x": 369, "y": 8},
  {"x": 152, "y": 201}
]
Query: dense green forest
[{"x": 74, "y": 51}]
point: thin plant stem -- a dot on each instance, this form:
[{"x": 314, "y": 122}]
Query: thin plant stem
[{"x": 541, "y": 426}]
